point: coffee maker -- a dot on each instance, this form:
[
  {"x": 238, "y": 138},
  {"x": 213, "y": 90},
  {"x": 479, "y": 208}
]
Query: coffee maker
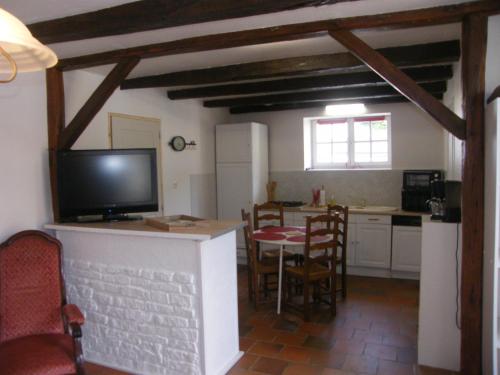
[{"x": 445, "y": 202}]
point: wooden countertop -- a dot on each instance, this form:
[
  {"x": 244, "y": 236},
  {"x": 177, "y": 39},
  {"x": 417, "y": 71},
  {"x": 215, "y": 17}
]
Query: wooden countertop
[
  {"x": 357, "y": 211},
  {"x": 201, "y": 231}
]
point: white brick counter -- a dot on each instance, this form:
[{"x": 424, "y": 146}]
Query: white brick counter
[{"x": 154, "y": 305}]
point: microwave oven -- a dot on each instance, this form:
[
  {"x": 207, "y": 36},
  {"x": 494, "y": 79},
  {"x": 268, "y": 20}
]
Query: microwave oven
[{"x": 416, "y": 190}]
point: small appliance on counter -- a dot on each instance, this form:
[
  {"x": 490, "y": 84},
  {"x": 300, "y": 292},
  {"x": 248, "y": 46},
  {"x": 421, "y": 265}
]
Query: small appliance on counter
[
  {"x": 416, "y": 189},
  {"x": 445, "y": 202}
]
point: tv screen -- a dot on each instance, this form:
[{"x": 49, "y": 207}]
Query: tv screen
[{"x": 106, "y": 182}]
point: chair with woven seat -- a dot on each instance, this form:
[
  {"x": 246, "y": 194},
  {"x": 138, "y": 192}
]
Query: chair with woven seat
[
  {"x": 270, "y": 218},
  {"x": 343, "y": 212},
  {"x": 320, "y": 259},
  {"x": 256, "y": 267},
  {"x": 39, "y": 333}
]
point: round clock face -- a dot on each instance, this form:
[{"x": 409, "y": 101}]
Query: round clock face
[{"x": 178, "y": 143}]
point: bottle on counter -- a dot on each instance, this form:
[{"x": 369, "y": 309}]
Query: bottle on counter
[{"x": 322, "y": 196}]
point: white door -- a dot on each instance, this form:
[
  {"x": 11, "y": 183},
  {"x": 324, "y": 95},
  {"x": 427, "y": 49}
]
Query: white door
[
  {"x": 234, "y": 192},
  {"x": 406, "y": 248},
  {"x": 373, "y": 245},
  {"x": 138, "y": 132}
]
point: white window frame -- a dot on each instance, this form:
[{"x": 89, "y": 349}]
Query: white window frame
[{"x": 351, "y": 164}]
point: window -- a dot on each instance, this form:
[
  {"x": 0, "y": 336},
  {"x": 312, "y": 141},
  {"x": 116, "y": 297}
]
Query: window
[{"x": 348, "y": 143}]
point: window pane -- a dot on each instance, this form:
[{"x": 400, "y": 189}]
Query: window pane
[
  {"x": 362, "y": 147},
  {"x": 340, "y": 148},
  {"x": 361, "y": 157},
  {"x": 324, "y": 153},
  {"x": 379, "y": 147},
  {"x": 323, "y": 133},
  {"x": 362, "y": 131},
  {"x": 379, "y": 130},
  {"x": 340, "y": 157},
  {"x": 380, "y": 157},
  {"x": 340, "y": 132}
]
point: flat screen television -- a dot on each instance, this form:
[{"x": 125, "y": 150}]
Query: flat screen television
[{"x": 110, "y": 183}]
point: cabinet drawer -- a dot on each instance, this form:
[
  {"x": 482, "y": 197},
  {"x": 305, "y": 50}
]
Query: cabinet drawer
[{"x": 374, "y": 219}]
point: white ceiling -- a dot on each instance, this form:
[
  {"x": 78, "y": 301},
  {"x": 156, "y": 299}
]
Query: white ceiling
[{"x": 30, "y": 11}]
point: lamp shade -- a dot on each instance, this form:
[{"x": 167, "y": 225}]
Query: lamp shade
[{"x": 27, "y": 52}]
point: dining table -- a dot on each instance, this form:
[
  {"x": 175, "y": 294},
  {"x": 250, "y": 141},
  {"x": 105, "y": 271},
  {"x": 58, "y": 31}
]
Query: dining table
[{"x": 293, "y": 237}]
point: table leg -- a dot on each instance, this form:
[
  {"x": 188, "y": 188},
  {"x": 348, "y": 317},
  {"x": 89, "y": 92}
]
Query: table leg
[{"x": 280, "y": 275}]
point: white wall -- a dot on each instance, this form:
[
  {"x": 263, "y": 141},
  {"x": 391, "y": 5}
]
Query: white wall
[
  {"x": 186, "y": 117},
  {"x": 25, "y": 189},
  {"x": 493, "y": 55},
  {"x": 417, "y": 140}
]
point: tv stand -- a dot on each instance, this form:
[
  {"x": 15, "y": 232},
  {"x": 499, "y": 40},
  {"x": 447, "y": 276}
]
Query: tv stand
[{"x": 121, "y": 217}]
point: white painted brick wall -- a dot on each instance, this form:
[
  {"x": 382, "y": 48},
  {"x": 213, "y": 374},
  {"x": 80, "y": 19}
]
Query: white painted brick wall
[{"x": 137, "y": 319}]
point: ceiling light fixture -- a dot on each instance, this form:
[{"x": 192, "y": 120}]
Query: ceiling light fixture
[
  {"x": 345, "y": 109},
  {"x": 21, "y": 52}
]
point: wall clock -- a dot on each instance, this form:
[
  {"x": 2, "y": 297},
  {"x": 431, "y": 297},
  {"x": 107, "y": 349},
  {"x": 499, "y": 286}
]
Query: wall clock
[{"x": 178, "y": 143}]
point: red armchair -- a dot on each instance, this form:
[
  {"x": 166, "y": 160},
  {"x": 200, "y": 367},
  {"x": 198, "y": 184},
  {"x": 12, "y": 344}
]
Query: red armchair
[{"x": 39, "y": 333}]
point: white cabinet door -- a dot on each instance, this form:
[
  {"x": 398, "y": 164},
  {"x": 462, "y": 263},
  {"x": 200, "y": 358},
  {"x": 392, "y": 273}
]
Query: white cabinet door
[
  {"x": 373, "y": 245},
  {"x": 406, "y": 248},
  {"x": 231, "y": 200},
  {"x": 351, "y": 244},
  {"x": 233, "y": 143}
]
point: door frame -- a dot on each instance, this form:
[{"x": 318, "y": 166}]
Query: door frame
[{"x": 160, "y": 151}]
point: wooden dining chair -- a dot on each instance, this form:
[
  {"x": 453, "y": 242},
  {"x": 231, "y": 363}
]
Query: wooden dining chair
[
  {"x": 320, "y": 259},
  {"x": 343, "y": 212},
  {"x": 256, "y": 267},
  {"x": 277, "y": 218}
]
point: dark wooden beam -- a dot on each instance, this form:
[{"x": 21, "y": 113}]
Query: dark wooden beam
[
  {"x": 320, "y": 95},
  {"x": 96, "y": 101},
  {"x": 474, "y": 34},
  {"x": 421, "y": 74},
  {"x": 55, "y": 125},
  {"x": 306, "y": 105},
  {"x": 420, "y": 54},
  {"x": 401, "y": 82},
  {"x": 404, "y": 19},
  {"x": 495, "y": 94},
  {"x": 157, "y": 14}
]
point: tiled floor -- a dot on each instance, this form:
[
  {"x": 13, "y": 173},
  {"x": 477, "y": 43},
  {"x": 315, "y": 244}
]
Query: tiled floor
[{"x": 374, "y": 332}]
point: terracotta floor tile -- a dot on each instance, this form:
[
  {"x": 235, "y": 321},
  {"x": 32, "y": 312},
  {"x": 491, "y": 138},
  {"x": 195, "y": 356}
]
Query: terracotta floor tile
[
  {"x": 246, "y": 361},
  {"x": 266, "y": 349},
  {"x": 287, "y": 338},
  {"x": 295, "y": 354},
  {"x": 394, "y": 368},
  {"x": 246, "y": 343},
  {"x": 335, "y": 333},
  {"x": 270, "y": 366},
  {"x": 348, "y": 346},
  {"x": 313, "y": 329},
  {"x": 362, "y": 364},
  {"x": 332, "y": 371},
  {"x": 302, "y": 370},
  {"x": 328, "y": 359},
  {"x": 359, "y": 323},
  {"x": 317, "y": 343},
  {"x": 285, "y": 325},
  {"x": 388, "y": 328},
  {"x": 381, "y": 351},
  {"x": 262, "y": 334},
  {"x": 407, "y": 355},
  {"x": 400, "y": 341},
  {"x": 368, "y": 337}
]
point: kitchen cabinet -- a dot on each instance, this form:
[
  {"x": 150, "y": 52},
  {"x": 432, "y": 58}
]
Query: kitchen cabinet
[
  {"x": 406, "y": 248},
  {"x": 373, "y": 245}
]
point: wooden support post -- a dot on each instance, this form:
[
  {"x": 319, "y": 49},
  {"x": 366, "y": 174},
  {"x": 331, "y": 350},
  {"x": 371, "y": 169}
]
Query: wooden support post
[
  {"x": 96, "y": 101},
  {"x": 474, "y": 34},
  {"x": 55, "y": 124},
  {"x": 401, "y": 82}
]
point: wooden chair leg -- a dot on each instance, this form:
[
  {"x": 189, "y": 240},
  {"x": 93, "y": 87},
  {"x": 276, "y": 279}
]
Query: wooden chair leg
[
  {"x": 255, "y": 290},
  {"x": 306, "y": 301},
  {"x": 266, "y": 288},
  {"x": 333, "y": 294},
  {"x": 250, "y": 281},
  {"x": 344, "y": 277}
]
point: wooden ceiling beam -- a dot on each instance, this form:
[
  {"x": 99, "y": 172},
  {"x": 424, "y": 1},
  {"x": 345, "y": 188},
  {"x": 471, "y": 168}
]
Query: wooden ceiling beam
[
  {"x": 319, "y": 104},
  {"x": 157, "y": 14},
  {"x": 420, "y": 54},
  {"x": 474, "y": 35},
  {"x": 421, "y": 74},
  {"x": 82, "y": 119},
  {"x": 403, "y": 19},
  {"x": 401, "y": 82},
  {"x": 320, "y": 95}
]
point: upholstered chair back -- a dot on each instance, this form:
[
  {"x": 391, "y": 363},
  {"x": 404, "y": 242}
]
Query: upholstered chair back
[{"x": 30, "y": 286}]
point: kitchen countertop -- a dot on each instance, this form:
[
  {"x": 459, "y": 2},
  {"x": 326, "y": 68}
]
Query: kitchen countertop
[{"x": 358, "y": 211}]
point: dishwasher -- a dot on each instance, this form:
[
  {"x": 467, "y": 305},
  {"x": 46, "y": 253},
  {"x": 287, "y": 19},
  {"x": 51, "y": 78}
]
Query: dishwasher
[{"x": 406, "y": 244}]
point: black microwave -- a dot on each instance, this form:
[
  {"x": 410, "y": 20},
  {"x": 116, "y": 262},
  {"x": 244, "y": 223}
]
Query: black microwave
[{"x": 417, "y": 189}]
